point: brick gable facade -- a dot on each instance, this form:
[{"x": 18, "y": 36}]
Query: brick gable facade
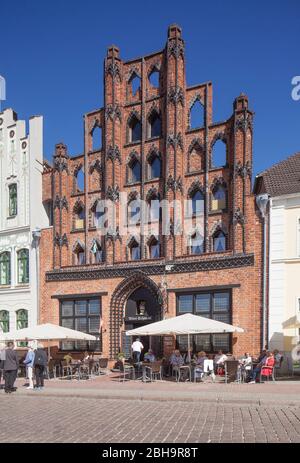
[{"x": 186, "y": 154}]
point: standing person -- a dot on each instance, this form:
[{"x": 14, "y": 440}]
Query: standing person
[
  {"x": 2, "y": 358},
  {"x": 11, "y": 365},
  {"x": 29, "y": 361},
  {"x": 40, "y": 363},
  {"x": 137, "y": 348}
]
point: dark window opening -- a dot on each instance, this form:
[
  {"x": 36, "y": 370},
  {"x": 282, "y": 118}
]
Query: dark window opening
[
  {"x": 215, "y": 305},
  {"x": 82, "y": 315},
  {"x": 219, "y": 242},
  {"x": 135, "y": 130},
  {"x": 196, "y": 115},
  {"x": 79, "y": 178},
  {"x": 135, "y": 83},
  {"x": 154, "y": 168},
  {"x": 218, "y": 158},
  {"x": 154, "y": 129},
  {"x": 97, "y": 138},
  {"x": 154, "y": 78}
]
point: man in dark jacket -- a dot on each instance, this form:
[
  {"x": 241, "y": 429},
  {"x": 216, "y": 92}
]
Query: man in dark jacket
[
  {"x": 11, "y": 365},
  {"x": 40, "y": 364}
]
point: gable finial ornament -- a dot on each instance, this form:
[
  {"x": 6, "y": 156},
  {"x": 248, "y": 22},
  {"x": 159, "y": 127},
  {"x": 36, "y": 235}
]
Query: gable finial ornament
[
  {"x": 61, "y": 241},
  {"x": 113, "y": 193},
  {"x": 176, "y": 95},
  {"x": 243, "y": 170},
  {"x": 176, "y": 48},
  {"x": 175, "y": 140},
  {"x": 238, "y": 217},
  {"x": 113, "y": 69},
  {"x": 174, "y": 185},
  {"x": 113, "y": 153},
  {"x": 113, "y": 112},
  {"x": 244, "y": 122}
]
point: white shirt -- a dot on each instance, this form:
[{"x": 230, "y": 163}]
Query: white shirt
[
  {"x": 222, "y": 359},
  {"x": 137, "y": 346},
  {"x": 247, "y": 362}
]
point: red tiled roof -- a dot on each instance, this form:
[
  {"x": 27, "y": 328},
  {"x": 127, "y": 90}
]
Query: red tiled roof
[{"x": 283, "y": 178}]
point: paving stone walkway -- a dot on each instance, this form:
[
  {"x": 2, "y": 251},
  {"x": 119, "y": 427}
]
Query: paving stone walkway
[{"x": 60, "y": 419}]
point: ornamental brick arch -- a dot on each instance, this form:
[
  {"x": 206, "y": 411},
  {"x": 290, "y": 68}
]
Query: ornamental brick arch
[{"x": 126, "y": 287}]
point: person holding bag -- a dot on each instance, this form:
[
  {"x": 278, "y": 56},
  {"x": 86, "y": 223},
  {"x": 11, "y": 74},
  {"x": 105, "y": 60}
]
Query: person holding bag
[{"x": 40, "y": 363}]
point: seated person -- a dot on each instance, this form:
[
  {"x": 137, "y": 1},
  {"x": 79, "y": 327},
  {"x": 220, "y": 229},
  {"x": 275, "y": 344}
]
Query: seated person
[
  {"x": 176, "y": 360},
  {"x": 68, "y": 358},
  {"x": 246, "y": 361},
  {"x": 268, "y": 360},
  {"x": 262, "y": 355},
  {"x": 189, "y": 357},
  {"x": 220, "y": 358},
  {"x": 278, "y": 358},
  {"x": 246, "y": 366},
  {"x": 86, "y": 357},
  {"x": 199, "y": 364},
  {"x": 149, "y": 356}
]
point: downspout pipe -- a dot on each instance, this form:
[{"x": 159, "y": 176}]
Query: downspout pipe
[{"x": 262, "y": 201}]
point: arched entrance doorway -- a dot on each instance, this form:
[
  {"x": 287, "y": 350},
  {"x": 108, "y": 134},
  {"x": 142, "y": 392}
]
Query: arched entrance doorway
[{"x": 137, "y": 300}]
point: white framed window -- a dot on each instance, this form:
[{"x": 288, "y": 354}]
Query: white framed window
[{"x": 298, "y": 304}]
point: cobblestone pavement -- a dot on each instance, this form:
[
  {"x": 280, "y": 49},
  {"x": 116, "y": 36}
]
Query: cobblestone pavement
[{"x": 60, "y": 419}]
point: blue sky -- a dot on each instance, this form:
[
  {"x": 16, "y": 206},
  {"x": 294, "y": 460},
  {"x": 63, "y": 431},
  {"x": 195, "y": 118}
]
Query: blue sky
[{"x": 52, "y": 58}]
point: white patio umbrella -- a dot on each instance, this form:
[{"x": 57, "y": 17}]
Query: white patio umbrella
[
  {"x": 184, "y": 324},
  {"x": 46, "y": 332}
]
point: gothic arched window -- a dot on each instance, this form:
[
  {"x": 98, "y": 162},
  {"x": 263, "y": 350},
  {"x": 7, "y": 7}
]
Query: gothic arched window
[
  {"x": 218, "y": 198},
  {"x": 134, "y": 129},
  {"x": 97, "y": 252},
  {"x": 218, "y": 155},
  {"x": 197, "y": 203},
  {"x": 154, "y": 248},
  {"x": 219, "y": 241},
  {"x": 154, "y": 125},
  {"x": 196, "y": 243},
  {"x": 79, "y": 216},
  {"x": 135, "y": 250},
  {"x": 154, "y": 166},
  {"x": 196, "y": 115},
  {"x": 134, "y": 212},
  {"x": 154, "y": 78}
]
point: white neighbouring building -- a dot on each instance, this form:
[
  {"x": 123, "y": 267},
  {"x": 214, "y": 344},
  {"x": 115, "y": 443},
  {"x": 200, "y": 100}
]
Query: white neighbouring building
[
  {"x": 21, "y": 215},
  {"x": 282, "y": 183}
]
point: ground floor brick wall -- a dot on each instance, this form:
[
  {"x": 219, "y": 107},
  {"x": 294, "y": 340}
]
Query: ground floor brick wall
[{"x": 246, "y": 298}]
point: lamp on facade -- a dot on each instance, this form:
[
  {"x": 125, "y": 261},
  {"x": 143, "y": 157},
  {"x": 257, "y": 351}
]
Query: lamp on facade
[
  {"x": 262, "y": 202},
  {"x": 36, "y": 235}
]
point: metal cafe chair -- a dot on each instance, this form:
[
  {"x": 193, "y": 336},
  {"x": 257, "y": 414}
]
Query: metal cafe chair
[
  {"x": 181, "y": 371},
  {"x": 125, "y": 371},
  {"x": 153, "y": 371},
  {"x": 267, "y": 372},
  {"x": 103, "y": 366},
  {"x": 66, "y": 369}
]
